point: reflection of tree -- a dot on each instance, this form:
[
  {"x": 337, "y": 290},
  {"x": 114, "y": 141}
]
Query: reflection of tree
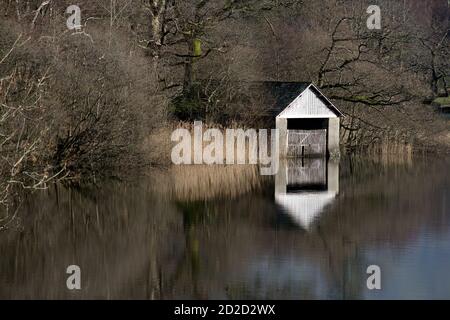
[
  {"x": 118, "y": 236},
  {"x": 194, "y": 214}
]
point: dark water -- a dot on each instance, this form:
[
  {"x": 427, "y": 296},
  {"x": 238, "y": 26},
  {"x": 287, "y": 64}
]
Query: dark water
[{"x": 228, "y": 233}]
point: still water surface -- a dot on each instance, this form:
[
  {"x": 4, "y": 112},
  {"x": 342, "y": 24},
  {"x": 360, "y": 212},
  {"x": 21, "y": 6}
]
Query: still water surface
[{"x": 229, "y": 233}]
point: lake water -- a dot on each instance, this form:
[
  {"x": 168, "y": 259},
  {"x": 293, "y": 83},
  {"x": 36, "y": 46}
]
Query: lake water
[{"x": 229, "y": 233}]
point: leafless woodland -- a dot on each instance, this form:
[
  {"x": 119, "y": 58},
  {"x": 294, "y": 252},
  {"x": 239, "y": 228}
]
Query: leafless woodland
[{"x": 96, "y": 101}]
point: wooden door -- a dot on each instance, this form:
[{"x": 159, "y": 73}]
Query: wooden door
[{"x": 307, "y": 143}]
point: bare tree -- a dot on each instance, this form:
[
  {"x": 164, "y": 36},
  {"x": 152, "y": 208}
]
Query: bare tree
[
  {"x": 182, "y": 32},
  {"x": 21, "y": 135},
  {"x": 432, "y": 58}
]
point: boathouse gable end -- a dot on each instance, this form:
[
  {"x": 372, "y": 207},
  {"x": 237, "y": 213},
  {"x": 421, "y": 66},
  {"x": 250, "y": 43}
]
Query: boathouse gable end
[
  {"x": 310, "y": 103},
  {"x": 308, "y": 125}
]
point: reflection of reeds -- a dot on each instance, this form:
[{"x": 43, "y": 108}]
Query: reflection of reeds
[{"x": 190, "y": 183}]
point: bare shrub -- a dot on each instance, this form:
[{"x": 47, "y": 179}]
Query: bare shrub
[{"x": 72, "y": 106}]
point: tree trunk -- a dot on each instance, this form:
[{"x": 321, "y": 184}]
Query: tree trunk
[
  {"x": 188, "y": 66},
  {"x": 158, "y": 10}
]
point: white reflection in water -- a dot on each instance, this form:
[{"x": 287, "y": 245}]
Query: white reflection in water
[{"x": 305, "y": 187}]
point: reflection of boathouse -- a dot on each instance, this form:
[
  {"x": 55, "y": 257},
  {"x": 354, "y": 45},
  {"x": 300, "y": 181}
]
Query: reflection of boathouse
[{"x": 304, "y": 187}]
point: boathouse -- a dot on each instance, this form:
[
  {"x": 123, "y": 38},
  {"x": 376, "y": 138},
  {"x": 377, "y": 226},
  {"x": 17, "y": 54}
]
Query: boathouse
[{"x": 308, "y": 122}]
